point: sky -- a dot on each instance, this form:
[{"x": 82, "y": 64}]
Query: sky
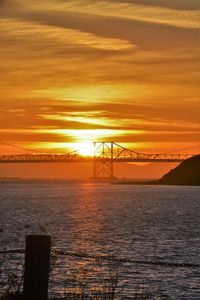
[{"x": 101, "y": 70}]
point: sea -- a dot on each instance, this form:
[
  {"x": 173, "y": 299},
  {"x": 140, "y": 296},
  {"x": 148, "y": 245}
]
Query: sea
[{"x": 144, "y": 225}]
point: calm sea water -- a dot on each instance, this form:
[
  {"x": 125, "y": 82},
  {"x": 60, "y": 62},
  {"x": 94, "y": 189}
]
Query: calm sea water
[{"x": 158, "y": 223}]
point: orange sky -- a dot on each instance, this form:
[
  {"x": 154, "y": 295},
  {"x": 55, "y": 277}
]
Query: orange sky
[{"x": 99, "y": 70}]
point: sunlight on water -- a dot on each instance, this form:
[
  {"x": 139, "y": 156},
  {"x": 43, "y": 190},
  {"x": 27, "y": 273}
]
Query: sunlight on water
[{"x": 136, "y": 222}]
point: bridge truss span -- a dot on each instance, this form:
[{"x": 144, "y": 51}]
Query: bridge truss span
[
  {"x": 154, "y": 158},
  {"x": 105, "y": 155},
  {"x": 41, "y": 158},
  {"x": 127, "y": 155}
]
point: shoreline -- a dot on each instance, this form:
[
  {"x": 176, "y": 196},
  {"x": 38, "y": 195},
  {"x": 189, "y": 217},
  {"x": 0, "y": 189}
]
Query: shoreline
[{"x": 151, "y": 183}]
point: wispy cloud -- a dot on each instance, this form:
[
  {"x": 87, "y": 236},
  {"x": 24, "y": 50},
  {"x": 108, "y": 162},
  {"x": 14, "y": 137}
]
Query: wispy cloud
[
  {"x": 27, "y": 30},
  {"x": 181, "y": 5},
  {"x": 132, "y": 11}
]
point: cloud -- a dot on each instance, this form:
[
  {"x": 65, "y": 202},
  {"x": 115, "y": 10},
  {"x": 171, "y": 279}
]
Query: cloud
[
  {"x": 145, "y": 35},
  {"x": 177, "y": 4},
  {"x": 28, "y": 30},
  {"x": 132, "y": 11},
  {"x": 119, "y": 116},
  {"x": 177, "y": 13},
  {"x": 128, "y": 71}
]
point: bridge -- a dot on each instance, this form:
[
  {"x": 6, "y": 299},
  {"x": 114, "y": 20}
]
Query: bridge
[{"x": 104, "y": 157}]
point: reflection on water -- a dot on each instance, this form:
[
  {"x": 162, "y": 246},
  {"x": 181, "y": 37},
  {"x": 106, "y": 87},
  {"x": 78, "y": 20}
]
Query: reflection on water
[{"x": 136, "y": 222}]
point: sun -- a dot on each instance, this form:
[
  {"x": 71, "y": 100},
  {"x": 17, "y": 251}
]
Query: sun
[{"x": 85, "y": 148}]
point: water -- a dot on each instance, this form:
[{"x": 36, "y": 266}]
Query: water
[{"x": 130, "y": 221}]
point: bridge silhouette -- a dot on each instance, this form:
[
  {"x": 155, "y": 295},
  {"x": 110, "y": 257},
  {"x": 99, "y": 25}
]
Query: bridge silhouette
[{"x": 104, "y": 157}]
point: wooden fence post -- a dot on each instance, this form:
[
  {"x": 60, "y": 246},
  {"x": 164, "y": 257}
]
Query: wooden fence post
[{"x": 37, "y": 260}]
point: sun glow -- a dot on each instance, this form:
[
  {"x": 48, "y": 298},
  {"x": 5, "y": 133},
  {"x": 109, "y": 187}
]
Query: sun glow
[{"x": 85, "y": 148}]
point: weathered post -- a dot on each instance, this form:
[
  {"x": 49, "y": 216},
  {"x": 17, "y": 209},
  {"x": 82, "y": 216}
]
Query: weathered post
[{"x": 37, "y": 260}]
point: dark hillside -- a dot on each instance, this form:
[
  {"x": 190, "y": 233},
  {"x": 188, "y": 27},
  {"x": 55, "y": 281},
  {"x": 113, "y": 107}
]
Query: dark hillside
[{"x": 187, "y": 173}]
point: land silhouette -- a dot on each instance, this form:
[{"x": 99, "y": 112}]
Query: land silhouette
[{"x": 187, "y": 173}]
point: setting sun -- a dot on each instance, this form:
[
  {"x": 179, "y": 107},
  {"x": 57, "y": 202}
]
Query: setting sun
[{"x": 85, "y": 148}]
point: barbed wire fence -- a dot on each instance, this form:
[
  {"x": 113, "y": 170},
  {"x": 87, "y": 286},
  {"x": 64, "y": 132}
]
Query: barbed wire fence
[{"x": 76, "y": 274}]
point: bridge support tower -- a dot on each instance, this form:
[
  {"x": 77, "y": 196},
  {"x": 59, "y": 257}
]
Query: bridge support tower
[{"x": 103, "y": 161}]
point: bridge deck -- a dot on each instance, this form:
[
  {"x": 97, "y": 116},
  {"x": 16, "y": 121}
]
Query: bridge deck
[{"x": 62, "y": 158}]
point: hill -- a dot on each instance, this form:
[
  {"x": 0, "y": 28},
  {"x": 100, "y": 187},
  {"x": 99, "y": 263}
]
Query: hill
[{"x": 187, "y": 173}]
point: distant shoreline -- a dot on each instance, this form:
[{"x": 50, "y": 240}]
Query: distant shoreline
[
  {"x": 155, "y": 182},
  {"x": 139, "y": 182},
  {"x": 11, "y": 178}
]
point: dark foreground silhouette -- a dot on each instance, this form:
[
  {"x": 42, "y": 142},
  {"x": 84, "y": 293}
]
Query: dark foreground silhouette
[{"x": 187, "y": 173}]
